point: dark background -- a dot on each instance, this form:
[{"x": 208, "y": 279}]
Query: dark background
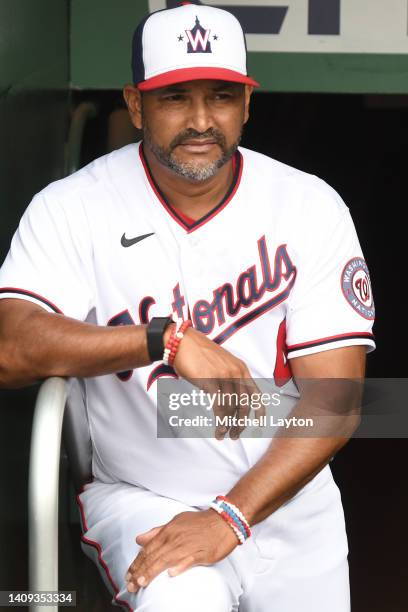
[{"x": 358, "y": 145}]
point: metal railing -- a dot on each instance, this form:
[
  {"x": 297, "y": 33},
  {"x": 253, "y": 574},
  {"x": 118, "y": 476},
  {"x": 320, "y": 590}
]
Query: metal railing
[{"x": 43, "y": 488}]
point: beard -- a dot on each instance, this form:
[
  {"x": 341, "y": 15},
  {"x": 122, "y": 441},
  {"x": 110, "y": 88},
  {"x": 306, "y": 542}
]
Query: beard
[{"x": 192, "y": 170}]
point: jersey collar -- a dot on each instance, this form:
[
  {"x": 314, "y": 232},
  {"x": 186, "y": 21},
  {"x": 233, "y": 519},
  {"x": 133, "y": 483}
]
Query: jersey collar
[{"x": 181, "y": 219}]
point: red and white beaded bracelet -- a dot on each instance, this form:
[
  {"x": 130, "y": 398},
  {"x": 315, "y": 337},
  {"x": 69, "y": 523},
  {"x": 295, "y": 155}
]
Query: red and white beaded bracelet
[{"x": 173, "y": 342}]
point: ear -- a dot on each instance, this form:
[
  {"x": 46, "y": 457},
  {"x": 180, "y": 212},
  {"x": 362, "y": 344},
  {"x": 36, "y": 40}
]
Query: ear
[
  {"x": 248, "y": 92},
  {"x": 133, "y": 99}
]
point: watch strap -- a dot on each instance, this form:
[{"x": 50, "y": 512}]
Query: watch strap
[{"x": 155, "y": 331}]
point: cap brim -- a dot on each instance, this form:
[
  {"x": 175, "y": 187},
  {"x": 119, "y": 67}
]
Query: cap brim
[{"x": 194, "y": 74}]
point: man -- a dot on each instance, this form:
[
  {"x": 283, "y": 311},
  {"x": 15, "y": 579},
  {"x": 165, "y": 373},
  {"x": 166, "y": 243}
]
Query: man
[{"x": 265, "y": 261}]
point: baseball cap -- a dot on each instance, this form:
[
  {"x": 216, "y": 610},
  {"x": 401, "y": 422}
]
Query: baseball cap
[{"x": 189, "y": 42}]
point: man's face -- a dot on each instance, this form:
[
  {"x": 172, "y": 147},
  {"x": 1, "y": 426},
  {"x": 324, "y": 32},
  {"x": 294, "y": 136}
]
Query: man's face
[{"x": 194, "y": 128}]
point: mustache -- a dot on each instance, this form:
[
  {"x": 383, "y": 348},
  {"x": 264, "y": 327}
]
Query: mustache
[{"x": 191, "y": 133}]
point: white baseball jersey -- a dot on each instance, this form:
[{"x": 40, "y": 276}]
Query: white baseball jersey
[{"x": 275, "y": 271}]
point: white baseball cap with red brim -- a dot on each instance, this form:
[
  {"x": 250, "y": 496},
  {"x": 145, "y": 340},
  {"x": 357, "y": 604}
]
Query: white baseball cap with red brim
[{"x": 187, "y": 43}]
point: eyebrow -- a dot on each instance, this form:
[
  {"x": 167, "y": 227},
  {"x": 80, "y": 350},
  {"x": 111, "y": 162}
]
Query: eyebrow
[
  {"x": 173, "y": 89},
  {"x": 226, "y": 85}
]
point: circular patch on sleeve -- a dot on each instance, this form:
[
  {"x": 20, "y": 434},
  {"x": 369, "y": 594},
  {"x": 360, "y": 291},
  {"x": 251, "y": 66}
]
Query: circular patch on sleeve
[{"x": 356, "y": 285}]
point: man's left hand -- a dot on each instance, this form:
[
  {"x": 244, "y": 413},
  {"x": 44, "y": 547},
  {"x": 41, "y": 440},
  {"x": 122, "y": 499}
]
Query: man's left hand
[{"x": 190, "y": 538}]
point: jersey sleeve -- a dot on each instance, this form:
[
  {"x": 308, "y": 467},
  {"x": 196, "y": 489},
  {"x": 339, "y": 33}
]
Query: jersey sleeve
[
  {"x": 49, "y": 260},
  {"x": 332, "y": 304}
]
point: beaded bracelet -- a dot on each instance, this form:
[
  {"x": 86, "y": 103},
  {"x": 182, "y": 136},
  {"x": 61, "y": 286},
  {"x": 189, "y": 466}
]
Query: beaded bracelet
[
  {"x": 227, "y": 518},
  {"x": 233, "y": 516},
  {"x": 222, "y": 499},
  {"x": 240, "y": 524},
  {"x": 173, "y": 343},
  {"x": 175, "y": 340}
]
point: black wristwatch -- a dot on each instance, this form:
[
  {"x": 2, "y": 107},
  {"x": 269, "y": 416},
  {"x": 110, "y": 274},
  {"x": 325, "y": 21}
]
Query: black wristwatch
[{"x": 155, "y": 331}]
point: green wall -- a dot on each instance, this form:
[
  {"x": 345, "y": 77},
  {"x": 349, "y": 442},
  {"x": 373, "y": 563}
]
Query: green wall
[
  {"x": 101, "y": 36},
  {"x": 33, "y": 102},
  {"x": 33, "y": 120}
]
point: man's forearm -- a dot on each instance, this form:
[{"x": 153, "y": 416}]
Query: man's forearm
[
  {"x": 291, "y": 460},
  {"x": 285, "y": 468},
  {"x": 36, "y": 344}
]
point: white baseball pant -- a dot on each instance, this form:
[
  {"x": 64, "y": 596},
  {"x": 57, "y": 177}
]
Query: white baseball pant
[{"x": 295, "y": 560}]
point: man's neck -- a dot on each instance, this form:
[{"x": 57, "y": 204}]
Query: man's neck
[{"x": 192, "y": 198}]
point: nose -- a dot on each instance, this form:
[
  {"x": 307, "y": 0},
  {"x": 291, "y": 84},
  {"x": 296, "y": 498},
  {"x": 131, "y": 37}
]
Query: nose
[{"x": 200, "y": 116}]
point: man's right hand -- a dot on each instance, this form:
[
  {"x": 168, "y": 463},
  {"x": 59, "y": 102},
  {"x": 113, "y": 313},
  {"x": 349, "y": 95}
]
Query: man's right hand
[{"x": 214, "y": 369}]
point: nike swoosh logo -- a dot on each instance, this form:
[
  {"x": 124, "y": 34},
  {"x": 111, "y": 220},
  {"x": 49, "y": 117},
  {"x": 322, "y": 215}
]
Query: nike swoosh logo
[{"x": 127, "y": 242}]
